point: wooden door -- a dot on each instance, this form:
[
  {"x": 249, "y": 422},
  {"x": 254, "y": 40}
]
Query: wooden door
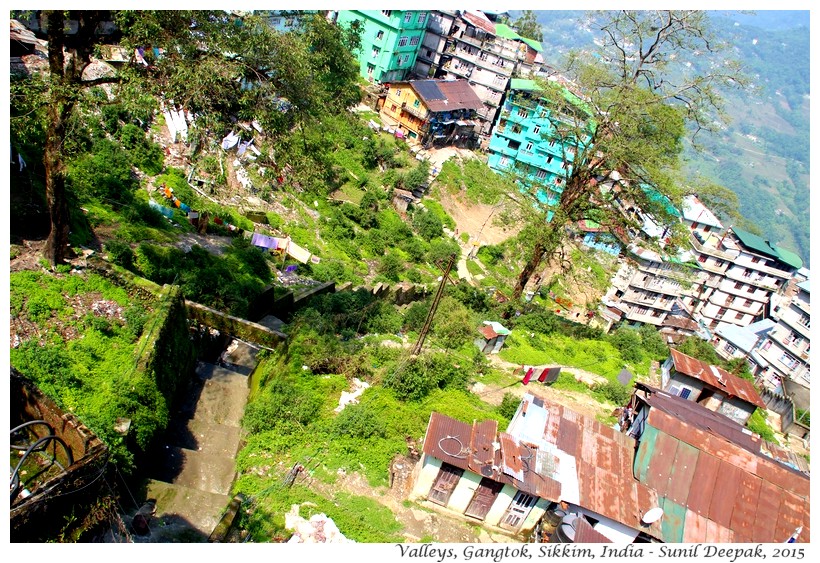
[
  {"x": 519, "y": 508},
  {"x": 446, "y": 481},
  {"x": 484, "y": 498}
]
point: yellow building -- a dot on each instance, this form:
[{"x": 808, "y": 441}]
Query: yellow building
[{"x": 436, "y": 112}]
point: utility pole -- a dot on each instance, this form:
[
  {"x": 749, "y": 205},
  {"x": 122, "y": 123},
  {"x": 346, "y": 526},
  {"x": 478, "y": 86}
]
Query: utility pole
[{"x": 429, "y": 321}]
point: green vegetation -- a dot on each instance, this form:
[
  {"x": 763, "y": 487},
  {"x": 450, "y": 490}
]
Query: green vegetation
[
  {"x": 757, "y": 423},
  {"x": 83, "y": 353}
]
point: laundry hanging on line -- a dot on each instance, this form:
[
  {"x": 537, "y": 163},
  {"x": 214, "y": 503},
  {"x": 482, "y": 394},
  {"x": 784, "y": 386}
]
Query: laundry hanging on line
[
  {"x": 298, "y": 253},
  {"x": 263, "y": 241}
]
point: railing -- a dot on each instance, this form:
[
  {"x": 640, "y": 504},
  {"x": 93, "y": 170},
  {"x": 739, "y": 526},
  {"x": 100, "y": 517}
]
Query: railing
[
  {"x": 421, "y": 113},
  {"x": 712, "y": 250}
]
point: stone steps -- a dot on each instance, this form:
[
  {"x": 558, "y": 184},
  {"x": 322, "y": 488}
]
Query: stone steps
[
  {"x": 202, "y": 436},
  {"x": 197, "y": 470},
  {"x": 179, "y": 506}
]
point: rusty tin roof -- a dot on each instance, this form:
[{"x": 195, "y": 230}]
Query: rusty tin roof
[{"x": 717, "y": 377}]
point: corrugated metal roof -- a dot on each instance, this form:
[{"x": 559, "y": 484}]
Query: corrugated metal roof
[
  {"x": 698, "y": 416},
  {"x": 488, "y": 332},
  {"x": 729, "y": 383},
  {"x": 446, "y": 95},
  {"x": 585, "y": 533},
  {"x": 479, "y": 20},
  {"x": 729, "y": 487}
]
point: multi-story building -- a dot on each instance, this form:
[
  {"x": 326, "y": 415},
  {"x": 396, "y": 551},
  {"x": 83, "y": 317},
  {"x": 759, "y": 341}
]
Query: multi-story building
[
  {"x": 525, "y": 140},
  {"x": 440, "y": 112},
  {"x": 785, "y": 352},
  {"x": 471, "y": 45},
  {"x": 747, "y": 272},
  {"x": 390, "y": 41}
]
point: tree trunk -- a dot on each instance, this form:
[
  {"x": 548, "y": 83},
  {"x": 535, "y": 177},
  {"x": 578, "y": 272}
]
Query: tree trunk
[
  {"x": 549, "y": 240},
  {"x": 528, "y": 270},
  {"x": 56, "y": 249}
]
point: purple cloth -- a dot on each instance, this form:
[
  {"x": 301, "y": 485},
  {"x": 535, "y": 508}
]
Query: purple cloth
[
  {"x": 291, "y": 268},
  {"x": 263, "y": 241}
]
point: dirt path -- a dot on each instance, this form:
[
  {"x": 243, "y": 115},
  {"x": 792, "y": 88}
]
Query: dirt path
[{"x": 579, "y": 402}]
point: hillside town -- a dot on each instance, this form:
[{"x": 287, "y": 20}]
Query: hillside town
[{"x": 251, "y": 345}]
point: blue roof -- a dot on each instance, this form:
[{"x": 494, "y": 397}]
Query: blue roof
[
  {"x": 746, "y": 337},
  {"x": 429, "y": 90}
]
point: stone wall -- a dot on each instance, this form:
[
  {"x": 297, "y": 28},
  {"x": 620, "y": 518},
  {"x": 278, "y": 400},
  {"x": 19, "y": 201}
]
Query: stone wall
[
  {"x": 239, "y": 328},
  {"x": 70, "y": 495}
]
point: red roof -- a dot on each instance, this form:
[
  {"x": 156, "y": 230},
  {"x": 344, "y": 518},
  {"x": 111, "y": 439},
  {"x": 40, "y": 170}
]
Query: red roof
[
  {"x": 479, "y": 20},
  {"x": 488, "y": 332},
  {"x": 717, "y": 377}
]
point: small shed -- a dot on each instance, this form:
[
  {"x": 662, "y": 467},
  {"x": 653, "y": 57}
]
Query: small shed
[
  {"x": 492, "y": 336},
  {"x": 402, "y": 198}
]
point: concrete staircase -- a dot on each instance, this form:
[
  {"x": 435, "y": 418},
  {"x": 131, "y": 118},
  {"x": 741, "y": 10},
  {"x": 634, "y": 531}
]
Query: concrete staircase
[{"x": 193, "y": 473}]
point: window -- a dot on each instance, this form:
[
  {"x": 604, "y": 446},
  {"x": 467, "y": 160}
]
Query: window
[
  {"x": 398, "y": 92},
  {"x": 499, "y": 79},
  {"x": 767, "y": 345},
  {"x": 549, "y": 159},
  {"x": 748, "y": 303},
  {"x": 707, "y": 228},
  {"x": 541, "y": 174},
  {"x": 528, "y": 148},
  {"x": 522, "y": 112},
  {"x": 755, "y": 259},
  {"x": 414, "y": 40},
  {"x": 788, "y": 360},
  {"x": 516, "y": 128},
  {"x": 275, "y": 21},
  {"x": 379, "y": 34},
  {"x": 387, "y": 12},
  {"x": 416, "y": 103},
  {"x": 536, "y": 130},
  {"x": 640, "y": 310},
  {"x": 721, "y": 312},
  {"x": 747, "y": 273},
  {"x": 559, "y": 181},
  {"x": 421, "y": 18},
  {"x": 376, "y": 52},
  {"x": 408, "y": 17},
  {"x": 805, "y": 320},
  {"x": 514, "y": 145},
  {"x": 750, "y": 289},
  {"x": 552, "y": 142},
  {"x": 702, "y": 258},
  {"x": 738, "y": 285},
  {"x": 403, "y": 41},
  {"x": 370, "y": 69},
  {"x": 504, "y": 161},
  {"x": 499, "y": 62},
  {"x": 730, "y": 348},
  {"x": 719, "y": 263},
  {"x": 393, "y": 108},
  {"x": 738, "y": 316},
  {"x": 483, "y": 55}
]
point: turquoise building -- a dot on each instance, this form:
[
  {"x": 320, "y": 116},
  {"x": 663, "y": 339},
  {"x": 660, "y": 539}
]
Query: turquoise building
[
  {"x": 390, "y": 41},
  {"x": 524, "y": 141}
]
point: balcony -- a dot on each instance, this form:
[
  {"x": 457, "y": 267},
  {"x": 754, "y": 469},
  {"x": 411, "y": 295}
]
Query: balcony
[
  {"x": 753, "y": 279},
  {"x": 420, "y": 112},
  {"x": 712, "y": 251}
]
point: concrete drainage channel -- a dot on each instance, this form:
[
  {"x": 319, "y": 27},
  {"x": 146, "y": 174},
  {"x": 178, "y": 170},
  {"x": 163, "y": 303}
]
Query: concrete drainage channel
[{"x": 191, "y": 480}]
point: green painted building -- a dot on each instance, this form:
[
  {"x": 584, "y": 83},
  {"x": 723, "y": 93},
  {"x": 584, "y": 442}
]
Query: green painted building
[{"x": 390, "y": 41}]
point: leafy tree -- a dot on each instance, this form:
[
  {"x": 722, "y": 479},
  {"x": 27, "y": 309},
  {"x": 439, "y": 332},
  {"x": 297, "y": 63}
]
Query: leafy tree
[
  {"x": 700, "y": 349},
  {"x": 213, "y": 64},
  {"x": 509, "y": 404},
  {"x": 622, "y": 131},
  {"x": 527, "y": 26}
]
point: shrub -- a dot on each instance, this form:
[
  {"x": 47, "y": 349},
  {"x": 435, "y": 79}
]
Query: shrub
[
  {"x": 441, "y": 249},
  {"x": 757, "y": 423},
  {"x": 359, "y": 421},
  {"x": 509, "y": 404},
  {"x": 416, "y": 314},
  {"x": 391, "y": 266},
  {"x": 628, "y": 343},
  {"x": 120, "y": 253},
  {"x": 427, "y": 225},
  {"x": 613, "y": 391},
  {"x": 652, "y": 342}
]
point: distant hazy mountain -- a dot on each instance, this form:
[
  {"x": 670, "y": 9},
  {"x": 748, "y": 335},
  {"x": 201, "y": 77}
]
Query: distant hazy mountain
[{"x": 763, "y": 155}]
